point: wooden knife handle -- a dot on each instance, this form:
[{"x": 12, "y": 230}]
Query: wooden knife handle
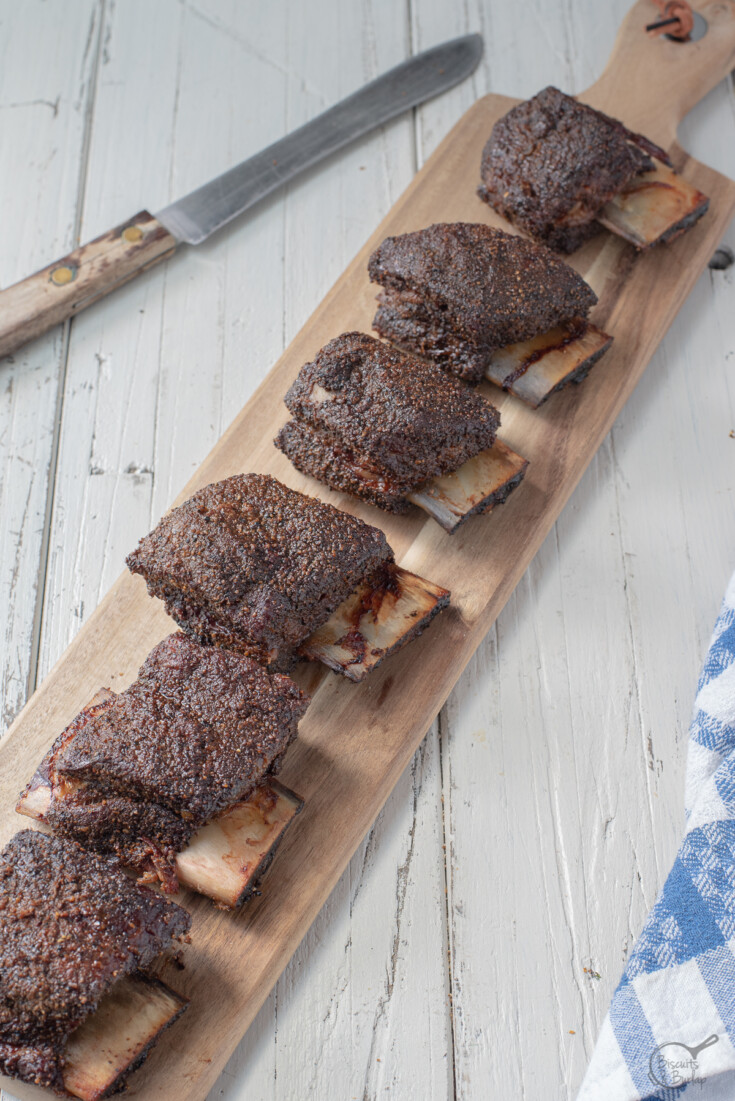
[{"x": 61, "y": 290}]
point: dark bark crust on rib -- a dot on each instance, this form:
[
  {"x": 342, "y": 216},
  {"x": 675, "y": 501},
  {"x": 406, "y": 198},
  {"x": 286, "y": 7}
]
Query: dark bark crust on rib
[
  {"x": 454, "y": 293},
  {"x": 378, "y": 424},
  {"x": 551, "y": 164},
  {"x": 197, "y": 732},
  {"x": 250, "y": 565},
  {"x": 323, "y": 457},
  {"x": 71, "y": 925}
]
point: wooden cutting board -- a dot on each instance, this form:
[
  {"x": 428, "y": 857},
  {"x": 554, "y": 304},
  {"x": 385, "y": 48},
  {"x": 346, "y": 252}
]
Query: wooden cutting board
[{"x": 356, "y": 740}]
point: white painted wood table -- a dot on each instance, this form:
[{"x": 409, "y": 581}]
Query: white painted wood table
[{"x": 471, "y": 948}]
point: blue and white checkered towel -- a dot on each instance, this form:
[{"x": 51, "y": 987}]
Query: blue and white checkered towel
[{"x": 671, "y": 1024}]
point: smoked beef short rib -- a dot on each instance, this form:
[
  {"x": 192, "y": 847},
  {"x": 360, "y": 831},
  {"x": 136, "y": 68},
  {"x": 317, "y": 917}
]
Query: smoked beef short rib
[
  {"x": 378, "y": 424},
  {"x": 252, "y": 566},
  {"x": 72, "y": 926},
  {"x": 558, "y": 169},
  {"x": 455, "y": 293},
  {"x": 139, "y": 773}
]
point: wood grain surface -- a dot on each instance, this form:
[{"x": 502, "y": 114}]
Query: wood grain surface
[{"x": 334, "y": 758}]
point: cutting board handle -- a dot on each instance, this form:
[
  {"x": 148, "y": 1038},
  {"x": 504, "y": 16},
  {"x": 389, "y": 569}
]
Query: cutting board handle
[{"x": 653, "y": 82}]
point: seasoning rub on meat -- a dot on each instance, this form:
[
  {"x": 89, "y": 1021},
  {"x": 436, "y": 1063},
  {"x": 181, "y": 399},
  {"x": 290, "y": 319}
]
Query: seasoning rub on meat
[
  {"x": 78, "y": 1012},
  {"x": 175, "y": 775},
  {"x": 482, "y": 303},
  {"x": 396, "y": 431},
  {"x": 561, "y": 170},
  {"x": 249, "y": 565}
]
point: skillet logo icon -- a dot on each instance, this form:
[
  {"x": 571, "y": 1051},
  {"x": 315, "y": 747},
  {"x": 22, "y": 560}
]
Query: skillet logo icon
[{"x": 677, "y": 1064}]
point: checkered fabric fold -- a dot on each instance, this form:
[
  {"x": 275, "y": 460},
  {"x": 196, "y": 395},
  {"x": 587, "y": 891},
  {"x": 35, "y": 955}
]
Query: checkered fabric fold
[{"x": 671, "y": 1024}]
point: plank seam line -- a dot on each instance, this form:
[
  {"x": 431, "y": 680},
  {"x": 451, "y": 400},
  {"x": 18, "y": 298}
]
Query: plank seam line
[
  {"x": 154, "y": 515},
  {"x": 566, "y": 894},
  {"x": 446, "y": 842},
  {"x": 42, "y": 578},
  {"x": 637, "y": 676},
  {"x": 417, "y": 159},
  {"x": 414, "y": 110}
]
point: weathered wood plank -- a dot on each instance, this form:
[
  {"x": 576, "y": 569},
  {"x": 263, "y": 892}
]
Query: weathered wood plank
[
  {"x": 45, "y": 114},
  {"x": 44, "y": 124},
  {"x": 567, "y": 575},
  {"x": 330, "y": 759},
  {"x": 150, "y": 392},
  {"x": 546, "y": 739}
]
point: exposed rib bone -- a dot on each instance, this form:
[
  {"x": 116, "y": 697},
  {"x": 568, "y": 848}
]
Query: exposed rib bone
[
  {"x": 35, "y": 802},
  {"x": 373, "y": 622},
  {"x": 533, "y": 369},
  {"x": 36, "y": 799},
  {"x": 226, "y": 859},
  {"x": 478, "y": 485},
  {"x": 655, "y": 206},
  {"x": 117, "y": 1037}
]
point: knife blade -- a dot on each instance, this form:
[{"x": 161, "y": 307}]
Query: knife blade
[
  {"x": 202, "y": 212},
  {"x": 91, "y": 271}
]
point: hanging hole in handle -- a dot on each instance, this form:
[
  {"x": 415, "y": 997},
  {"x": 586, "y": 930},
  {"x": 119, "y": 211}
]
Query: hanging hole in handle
[{"x": 698, "y": 31}]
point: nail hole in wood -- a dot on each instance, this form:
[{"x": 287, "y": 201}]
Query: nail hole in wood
[{"x": 722, "y": 259}]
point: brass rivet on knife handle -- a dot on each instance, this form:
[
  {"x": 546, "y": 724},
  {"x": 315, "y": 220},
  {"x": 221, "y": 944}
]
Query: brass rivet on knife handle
[
  {"x": 132, "y": 234},
  {"x": 61, "y": 290},
  {"x": 63, "y": 275}
]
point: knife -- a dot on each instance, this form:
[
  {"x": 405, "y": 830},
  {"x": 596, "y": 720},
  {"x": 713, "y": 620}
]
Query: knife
[{"x": 91, "y": 271}]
